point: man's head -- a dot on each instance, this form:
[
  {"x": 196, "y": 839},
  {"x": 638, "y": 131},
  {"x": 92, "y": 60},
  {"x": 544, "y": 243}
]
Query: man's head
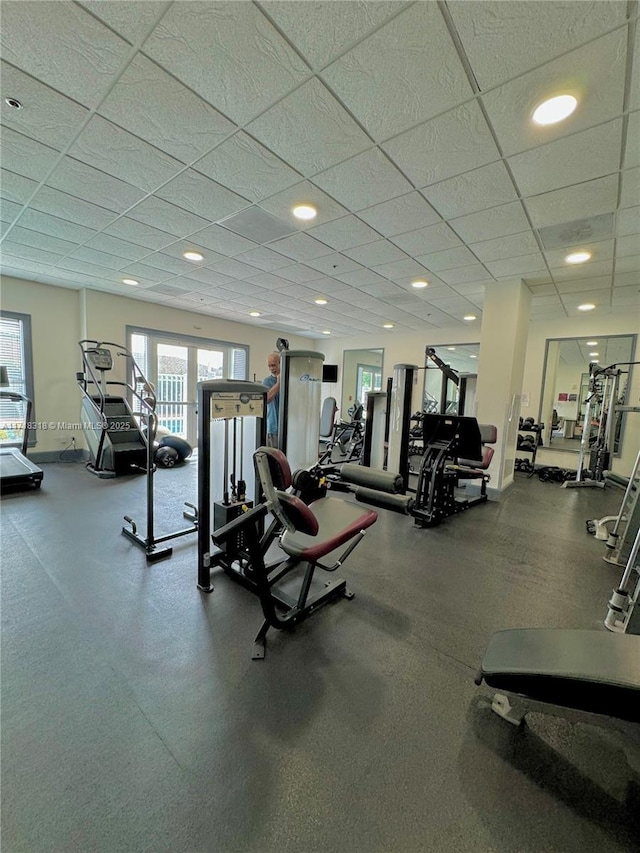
[{"x": 273, "y": 363}]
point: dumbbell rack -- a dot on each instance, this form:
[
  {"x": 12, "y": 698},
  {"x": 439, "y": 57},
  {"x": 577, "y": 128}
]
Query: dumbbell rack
[{"x": 535, "y": 430}]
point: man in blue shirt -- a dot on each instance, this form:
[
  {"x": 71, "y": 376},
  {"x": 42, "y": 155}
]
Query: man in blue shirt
[{"x": 272, "y": 382}]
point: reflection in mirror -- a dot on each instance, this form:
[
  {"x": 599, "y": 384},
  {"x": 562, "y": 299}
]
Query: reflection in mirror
[
  {"x": 361, "y": 373},
  {"x": 565, "y": 389},
  {"x": 442, "y": 394}
]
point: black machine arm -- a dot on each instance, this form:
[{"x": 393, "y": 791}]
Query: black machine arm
[{"x": 448, "y": 371}]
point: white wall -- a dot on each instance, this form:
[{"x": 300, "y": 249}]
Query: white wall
[{"x": 60, "y": 317}]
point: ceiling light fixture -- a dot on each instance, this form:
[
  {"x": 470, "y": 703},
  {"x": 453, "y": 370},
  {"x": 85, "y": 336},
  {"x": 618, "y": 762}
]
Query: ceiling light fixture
[
  {"x": 586, "y": 306},
  {"x": 419, "y": 284},
  {"x": 326, "y": 332},
  {"x": 129, "y": 281},
  {"x": 193, "y": 256},
  {"x": 592, "y": 343},
  {"x": 469, "y": 317},
  {"x": 473, "y": 356},
  {"x": 321, "y": 301},
  {"x": 388, "y": 326},
  {"x": 451, "y": 348},
  {"x": 554, "y": 110},
  {"x": 254, "y": 313},
  {"x": 578, "y": 257},
  {"x": 304, "y": 211},
  {"x": 594, "y": 353},
  {"x": 14, "y": 103}
]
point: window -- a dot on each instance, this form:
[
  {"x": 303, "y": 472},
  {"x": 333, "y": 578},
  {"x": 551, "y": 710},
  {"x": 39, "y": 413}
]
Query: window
[
  {"x": 175, "y": 364},
  {"x": 15, "y": 355}
]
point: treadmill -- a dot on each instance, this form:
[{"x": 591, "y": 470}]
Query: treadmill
[{"x": 16, "y": 471}]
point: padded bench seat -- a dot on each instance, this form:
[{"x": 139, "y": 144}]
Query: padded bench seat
[{"x": 593, "y": 671}]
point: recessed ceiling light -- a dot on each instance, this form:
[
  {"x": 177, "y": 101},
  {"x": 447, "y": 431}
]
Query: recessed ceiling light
[
  {"x": 388, "y": 326},
  {"x": 586, "y": 306},
  {"x": 578, "y": 257},
  {"x": 419, "y": 284},
  {"x": 596, "y": 361},
  {"x": 14, "y": 103},
  {"x": 592, "y": 343},
  {"x": 129, "y": 281},
  {"x": 254, "y": 313},
  {"x": 304, "y": 211},
  {"x": 555, "y": 109},
  {"x": 321, "y": 301},
  {"x": 473, "y": 356},
  {"x": 469, "y": 317},
  {"x": 594, "y": 353},
  {"x": 193, "y": 256},
  {"x": 326, "y": 332},
  {"x": 451, "y": 348}
]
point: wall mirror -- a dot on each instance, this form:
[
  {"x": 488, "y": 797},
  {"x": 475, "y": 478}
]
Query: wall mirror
[
  {"x": 565, "y": 388},
  {"x": 361, "y": 373},
  {"x": 442, "y": 395}
]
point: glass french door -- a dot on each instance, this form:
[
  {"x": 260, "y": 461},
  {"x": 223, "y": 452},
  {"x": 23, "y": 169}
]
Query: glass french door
[{"x": 175, "y": 367}]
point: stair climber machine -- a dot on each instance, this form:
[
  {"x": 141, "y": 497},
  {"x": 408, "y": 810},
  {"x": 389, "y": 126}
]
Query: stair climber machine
[{"x": 122, "y": 440}]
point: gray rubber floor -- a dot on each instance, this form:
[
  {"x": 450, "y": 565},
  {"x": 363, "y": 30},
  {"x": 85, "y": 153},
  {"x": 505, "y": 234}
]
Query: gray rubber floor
[{"x": 133, "y": 718}]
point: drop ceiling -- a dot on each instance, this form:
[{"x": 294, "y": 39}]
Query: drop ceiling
[{"x": 151, "y": 128}]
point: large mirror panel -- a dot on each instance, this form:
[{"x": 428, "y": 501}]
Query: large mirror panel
[
  {"x": 450, "y": 379},
  {"x": 565, "y": 389},
  {"x": 361, "y": 373}
]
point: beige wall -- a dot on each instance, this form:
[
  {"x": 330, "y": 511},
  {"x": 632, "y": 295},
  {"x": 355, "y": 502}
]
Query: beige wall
[{"x": 60, "y": 317}]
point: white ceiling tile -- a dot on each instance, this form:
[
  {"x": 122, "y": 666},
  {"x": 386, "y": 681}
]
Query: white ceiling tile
[
  {"x": 205, "y": 277},
  {"x": 30, "y": 253},
  {"x": 488, "y": 186},
  {"x": 233, "y": 268},
  {"x": 84, "y": 267},
  {"x": 402, "y": 270},
  {"x": 120, "y": 248},
  {"x": 248, "y": 168},
  {"x": 572, "y": 159},
  {"x": 202, "y": 196},
  {"x": 264, "y": 259},
  {"x": 630, "y": 193},
  {"x": 384, "y": 290},
  {"x": 520, "y": 266},
  {"x": 628, "y": 222},
  {"x": 600, "y": 250},
  {"x": 571, "y": 203},
  {"x": 634, "y": 90},
  {"x": 169, "y": 264},
  {"x": 505, "y": 247},
  {"x": 310, "y": 129},
  {"x": 55, "y": 226},
  {"x": 54, "y": 202},
  {"x": 542, "y": 289},
  {"x": 323, "y": 30},
  {"x": 489, "y": 224},
  {"x": 282, "y": 204},
  {"x": 268, "y": 281},
  {"x": 77, "y": 55},
  {"x": 504, "y": 39},
  {"x": 624, "y": 279},
  {"x": 8, "y": 211},
  {"x": 75, "y": 178},
  {"x": 130, "y": 19},
  {"x": 26, "y": 156},
  {"x": 447, "y": 259},
  {"x": 335, "y": 264},
  {"x": 237, "y": 61},
  {"x": 16, "y": 188},
  {"x": 461, "y": 275},
  {"x": 582, "y": 285},
  {"x": 344, "y": 233},
  {"x": 139, "y": 233},
  {"x": 103, "y": 259},
  {"x": 364, "y": 180},
  {"x": 374, "y": 254},
  {"x": 389, "y": 90},
  {"x": 426, "y": 240},
  {"x": 158, "y": 213},
  {"x": 154, "y": 106},
  {"x": 404, "y": 213},
  {"x": 300, "y": 247},
  {"x": 144, "y": 273},
  {"x": 589, "y": 270},
  {"x": 222, "y": 240},
  {"x": 300, "y": 273},
  {"x": 331, "y": 286},
  {"x": 594, "y": 74},
  {"x": 628, "y": 264},
  {"x": 118, "y": 153},
  {"x": 572, "y": 300},
  {"x": 446, "y": 146},
  {"x": 632, "y": 150},
  {"x": 47, "y": 117},
  {"x": 360, "y": 277},
  {"x": 41, "y": 241},
  {"x": 625, "y": 296}
]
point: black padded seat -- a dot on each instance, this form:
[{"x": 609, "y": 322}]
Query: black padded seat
[
  {"x": 338, "y": 522},
  {"x": 593, "y": 671}
]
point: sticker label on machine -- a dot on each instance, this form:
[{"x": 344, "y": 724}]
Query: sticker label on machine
[{"x": 233, "y": 405}]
